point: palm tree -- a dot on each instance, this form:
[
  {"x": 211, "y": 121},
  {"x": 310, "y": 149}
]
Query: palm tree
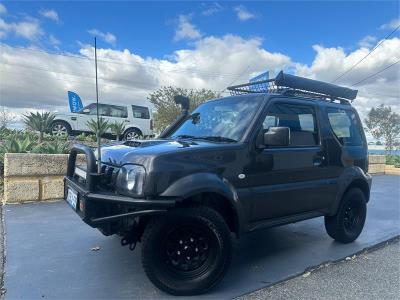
[
  {"x": 101, "y": 129},
  {"x": 39, "y": 122},
  {"x": 117, "y": 129}
]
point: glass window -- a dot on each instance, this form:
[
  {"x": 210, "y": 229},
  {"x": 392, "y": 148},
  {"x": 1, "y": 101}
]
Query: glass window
[
  {"x": 106, "y": 110},
  {"x": 140, "y": 112},
  {"x": 226, "y": 118},
  {"x": 300, "y": 120},
  {"x": 118, "y": 111},
  {"x": 345, "y": 125}
]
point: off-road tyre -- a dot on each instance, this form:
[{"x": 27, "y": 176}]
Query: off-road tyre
[
  {"x": 196, "y": 271},
  {"x": 348, "y": 223}
]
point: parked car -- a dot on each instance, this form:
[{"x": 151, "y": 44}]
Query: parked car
[
  {"x": 292, "y": 151},
  {"x": 138, "y": 120}
]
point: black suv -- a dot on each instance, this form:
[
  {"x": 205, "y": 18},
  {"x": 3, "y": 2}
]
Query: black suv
[{"x": 275, "y": 152}]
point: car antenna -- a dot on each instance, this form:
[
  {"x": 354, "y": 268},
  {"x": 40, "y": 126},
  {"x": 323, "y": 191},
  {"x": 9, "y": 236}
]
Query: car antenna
[{"x": 97, "y": 112}]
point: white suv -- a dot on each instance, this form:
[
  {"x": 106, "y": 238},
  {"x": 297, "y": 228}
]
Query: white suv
[{"x": 137, "y": 120}]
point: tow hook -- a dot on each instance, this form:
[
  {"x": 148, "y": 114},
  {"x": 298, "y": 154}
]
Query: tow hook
[{"x": 131, "y": 241}]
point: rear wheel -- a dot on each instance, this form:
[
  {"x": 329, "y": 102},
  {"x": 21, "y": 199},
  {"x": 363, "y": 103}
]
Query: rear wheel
[
  {"x": 132, "y": 134},
  {"x": 187, "y": 251},
  {"x": 60, "y": 128},
  {"x": 349, "y": 221}
]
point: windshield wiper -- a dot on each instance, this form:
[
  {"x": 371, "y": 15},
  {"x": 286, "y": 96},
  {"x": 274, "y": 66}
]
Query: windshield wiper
[
  {"x": 183, "y": 136},
  {"x": 217, "y": 139}
]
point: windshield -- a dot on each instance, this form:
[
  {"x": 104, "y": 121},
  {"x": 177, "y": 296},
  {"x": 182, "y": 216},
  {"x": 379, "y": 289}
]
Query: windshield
[{"x": 220, "y": 120}]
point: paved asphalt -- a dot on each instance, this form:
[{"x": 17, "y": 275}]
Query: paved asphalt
[
  {"x": 370, "y": 275},
  {"x": 48, "y": 252}
]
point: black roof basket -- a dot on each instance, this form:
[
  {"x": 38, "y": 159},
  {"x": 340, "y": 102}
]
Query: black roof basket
[{"x": 299, "y": 86}]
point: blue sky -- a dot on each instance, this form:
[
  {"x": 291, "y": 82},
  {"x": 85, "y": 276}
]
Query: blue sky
[{"x": 148, "y": 28}]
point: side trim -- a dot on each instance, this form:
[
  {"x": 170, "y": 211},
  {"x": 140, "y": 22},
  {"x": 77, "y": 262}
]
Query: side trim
[{"x": 283, "y": 220}]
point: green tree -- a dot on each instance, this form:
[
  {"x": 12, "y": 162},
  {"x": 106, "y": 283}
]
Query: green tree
[
  {"x": 166, "y": 109},
  {"x": 102, "y": 128},
  {"x": 39, "y": 122},
  {"x": 117, "y": 129},
  {"x": 383, "y": 123}
]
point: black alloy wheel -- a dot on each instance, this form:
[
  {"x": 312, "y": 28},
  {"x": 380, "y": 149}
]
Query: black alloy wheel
[
  {"x": 187, "y": 251},
  {"x": 348, "y": 223}
]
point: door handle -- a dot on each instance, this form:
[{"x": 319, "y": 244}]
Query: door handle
[{"x": 318, "y": 160}]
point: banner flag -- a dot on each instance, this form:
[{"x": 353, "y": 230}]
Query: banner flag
[{"x": 75, "y": 103}]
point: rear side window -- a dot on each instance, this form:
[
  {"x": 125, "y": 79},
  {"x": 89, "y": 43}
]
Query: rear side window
[
  {"x": 300, "y": 119},
  {"x": 140, "y": 112},
  {"x": 346, "y": 126}
]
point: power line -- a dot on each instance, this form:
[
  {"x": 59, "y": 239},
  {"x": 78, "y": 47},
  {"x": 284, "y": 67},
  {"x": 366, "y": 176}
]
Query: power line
[
  {"x": 357, "y": 63},
  {"x": 145, "y": 64},
  {"x": 70, "y": 74},
  {"x": 372, "y": 75}
]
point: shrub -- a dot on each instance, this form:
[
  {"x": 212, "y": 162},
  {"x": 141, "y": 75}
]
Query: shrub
[
  {"x": 39, "y": 122},
  {"x": 102, "y": 127},
  {"x": 54, "y": 147},
  {"x": 392, "y": 159},
  {"x": 16, "y": 144},
  {"x": 117, "y": 129}
]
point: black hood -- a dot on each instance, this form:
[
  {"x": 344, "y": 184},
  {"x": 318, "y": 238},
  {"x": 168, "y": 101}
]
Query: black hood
[{"x": 140, "y": 151}]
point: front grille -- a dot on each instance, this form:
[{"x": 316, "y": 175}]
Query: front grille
[{"x": 109, "y": 177}]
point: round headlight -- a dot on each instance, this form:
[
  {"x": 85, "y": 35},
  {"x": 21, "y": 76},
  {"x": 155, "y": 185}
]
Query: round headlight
[{"x": 130, "y": 180}]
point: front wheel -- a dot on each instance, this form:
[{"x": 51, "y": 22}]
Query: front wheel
[
  {"x": 187, "y": 251},
  {"x": 349, "y": 221}
]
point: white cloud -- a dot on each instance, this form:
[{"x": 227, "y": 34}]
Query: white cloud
[
  {"x": 243, "y": 14},
  {"x": 213, "y": 63},
  {"x": 329, "y": 63},
  {"x": 3, "y": 9},
  {"x": 393, "y": 24},
  {"x": 367, "y": 42},
  {"x": 54, "y": 41},
  {"x": 29, "y": 29},
  {"x": 186, "y": 30},
  {"x": 212, "y": 9},
  {"x": 107, "y": 37},
  {"x": 50, "y": 14}
]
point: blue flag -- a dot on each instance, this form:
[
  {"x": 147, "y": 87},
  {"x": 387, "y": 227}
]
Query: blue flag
[{"x": 75, "y": 103}]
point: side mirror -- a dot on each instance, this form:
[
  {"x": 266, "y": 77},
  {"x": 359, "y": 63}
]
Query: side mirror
[
  {"x": 277, "y": 136},
  {"x": 85, "y": 111}
]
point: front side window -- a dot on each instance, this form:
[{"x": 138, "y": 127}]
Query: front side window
[
  {"x": 224, "y": 119},
  {"x": 345, "y": 126},
  {"x": 300, "y": 120}
]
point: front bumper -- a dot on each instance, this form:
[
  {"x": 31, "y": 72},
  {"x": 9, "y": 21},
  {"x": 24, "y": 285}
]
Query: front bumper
[{"x": 97, "y": 207}]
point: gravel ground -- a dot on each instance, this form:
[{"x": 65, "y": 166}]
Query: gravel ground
[{"x": 370, "y": 275}]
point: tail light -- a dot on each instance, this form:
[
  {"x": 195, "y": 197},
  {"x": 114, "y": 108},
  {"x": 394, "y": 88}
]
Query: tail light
[{"x": 151, "y": 124}]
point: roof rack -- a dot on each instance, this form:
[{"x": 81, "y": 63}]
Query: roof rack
[{"x": 287, "y": 84}]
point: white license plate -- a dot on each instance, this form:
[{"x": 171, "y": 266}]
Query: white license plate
[{"x": 72, "y": 198}]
